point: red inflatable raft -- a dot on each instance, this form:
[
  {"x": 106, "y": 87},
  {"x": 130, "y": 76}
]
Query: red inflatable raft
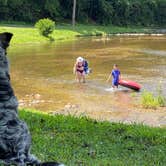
[{"x": 130, "y": 84}]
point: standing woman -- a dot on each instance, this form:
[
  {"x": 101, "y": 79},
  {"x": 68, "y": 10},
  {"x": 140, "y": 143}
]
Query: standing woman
[{"x": 78, "y": 70}]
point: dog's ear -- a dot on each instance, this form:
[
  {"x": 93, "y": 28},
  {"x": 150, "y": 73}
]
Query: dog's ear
[{"x": 5, "y": 39}]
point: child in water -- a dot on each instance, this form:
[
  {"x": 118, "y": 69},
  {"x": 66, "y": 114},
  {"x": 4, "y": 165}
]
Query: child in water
[
  {"x": 115, "y": 74},
  {"x": 86, "y": 67}
]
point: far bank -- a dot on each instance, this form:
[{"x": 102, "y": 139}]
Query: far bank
[{"x": 29, "y": 34}]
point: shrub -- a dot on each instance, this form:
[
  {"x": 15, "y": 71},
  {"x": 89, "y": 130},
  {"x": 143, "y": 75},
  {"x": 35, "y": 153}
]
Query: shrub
[
  {"x": 150, "y": 101},
  {"x": 45, "y": 26}
]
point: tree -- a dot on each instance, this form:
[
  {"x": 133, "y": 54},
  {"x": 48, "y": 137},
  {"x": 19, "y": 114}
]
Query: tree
[
  {"x": 74, "y": 13},
  {"x": 116, "y": 12}
]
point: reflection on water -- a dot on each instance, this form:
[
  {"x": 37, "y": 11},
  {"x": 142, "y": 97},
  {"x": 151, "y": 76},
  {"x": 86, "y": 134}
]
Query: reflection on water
[{"x": 42, "y": 75}]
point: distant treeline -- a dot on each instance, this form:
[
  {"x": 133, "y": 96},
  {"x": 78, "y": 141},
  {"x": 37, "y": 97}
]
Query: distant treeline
[{"x": 116, "y": 12}]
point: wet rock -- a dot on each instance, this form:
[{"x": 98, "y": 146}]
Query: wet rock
[
  {"x": 75, "y": 106},
  {"x": 37, "y": 96},
  {"x": 35, "y": 102},
  {"x": 21, "y": 104},
  {"x": 21, "y": 101},
  {"x": 68, "y": 106}
]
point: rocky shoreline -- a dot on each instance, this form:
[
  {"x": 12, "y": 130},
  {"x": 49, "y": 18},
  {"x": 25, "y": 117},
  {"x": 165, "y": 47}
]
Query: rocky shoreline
[
  {"x": 138, "y": 115},
  {"x": 154, "y": 32}
]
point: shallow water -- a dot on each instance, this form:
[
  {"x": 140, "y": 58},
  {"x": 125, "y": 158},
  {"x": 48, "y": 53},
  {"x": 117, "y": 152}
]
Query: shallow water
[{"x": 42, "y": 77}]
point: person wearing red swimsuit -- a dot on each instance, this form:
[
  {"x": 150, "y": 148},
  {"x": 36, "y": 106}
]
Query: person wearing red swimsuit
[{"x": 78, "y": 70}]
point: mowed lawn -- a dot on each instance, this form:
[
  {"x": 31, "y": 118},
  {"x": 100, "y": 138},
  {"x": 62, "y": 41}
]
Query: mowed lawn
[
  {"x": 85, "y": 142},
  {"x": 29, "y": 34}
]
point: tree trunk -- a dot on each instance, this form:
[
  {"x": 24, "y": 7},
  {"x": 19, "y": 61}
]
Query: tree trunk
[{"x": 74, "y": 13}]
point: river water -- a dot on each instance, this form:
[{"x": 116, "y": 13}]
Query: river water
[{"x": 42, "y": 77}]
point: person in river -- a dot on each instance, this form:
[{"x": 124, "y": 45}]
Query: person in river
[
  {"x": 115, "y": 75},
  {"x": 79, "y": 69},
  {"x": 86, "y": 67}
]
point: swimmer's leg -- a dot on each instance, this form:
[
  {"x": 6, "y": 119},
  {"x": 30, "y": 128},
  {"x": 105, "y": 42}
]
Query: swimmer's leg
[{"x": 83, "y": 77}]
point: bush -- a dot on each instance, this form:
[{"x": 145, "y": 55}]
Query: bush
[
  {"x": 45, "y": 26},
  {"x": 151, "y": 101},
  {"x": 148, "y": 100}
]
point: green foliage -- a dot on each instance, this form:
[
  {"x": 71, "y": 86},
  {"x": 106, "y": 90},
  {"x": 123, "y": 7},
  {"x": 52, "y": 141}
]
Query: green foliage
[
  {"x": 116, "y": 12},
  {"x": 45, "y": 26},
  {"x": 149, "y": 100},
  {"x": 51, "y": 8}
]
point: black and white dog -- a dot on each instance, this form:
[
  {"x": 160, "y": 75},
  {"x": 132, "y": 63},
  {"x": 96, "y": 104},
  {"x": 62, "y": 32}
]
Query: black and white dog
[{"x": 15, "y": 138}]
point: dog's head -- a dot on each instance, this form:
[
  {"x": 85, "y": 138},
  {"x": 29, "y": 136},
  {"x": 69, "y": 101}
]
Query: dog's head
[
  {"x": 5, "y": 39},
  {"x": 5, "y": 88},
  {"x": 4, "y": 43}
]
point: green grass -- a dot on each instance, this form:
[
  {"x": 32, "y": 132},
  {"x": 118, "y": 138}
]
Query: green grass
[
  {"x": 28, "y": 34},
  {"x": 149, "y": 100},
  {"x": 85, "y": 142}
]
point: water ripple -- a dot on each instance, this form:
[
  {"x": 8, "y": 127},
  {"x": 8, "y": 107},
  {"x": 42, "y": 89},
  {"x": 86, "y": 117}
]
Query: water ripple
[{"x": 153, "y": 52}]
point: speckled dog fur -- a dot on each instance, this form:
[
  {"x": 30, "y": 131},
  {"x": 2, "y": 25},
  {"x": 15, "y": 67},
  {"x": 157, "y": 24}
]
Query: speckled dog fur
[{"x": 15, "y": 138}]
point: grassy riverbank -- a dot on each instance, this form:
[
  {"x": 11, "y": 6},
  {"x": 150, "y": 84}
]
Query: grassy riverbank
[
  {"x": 81, "y": 141},
  {"x": 28, "y": 34}
]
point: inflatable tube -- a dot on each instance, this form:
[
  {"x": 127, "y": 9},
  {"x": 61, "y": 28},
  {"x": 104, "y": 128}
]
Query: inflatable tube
[{"x": 130, "y": 84}]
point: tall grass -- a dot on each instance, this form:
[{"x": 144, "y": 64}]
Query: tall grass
[{"x": 149, "y": 100}]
